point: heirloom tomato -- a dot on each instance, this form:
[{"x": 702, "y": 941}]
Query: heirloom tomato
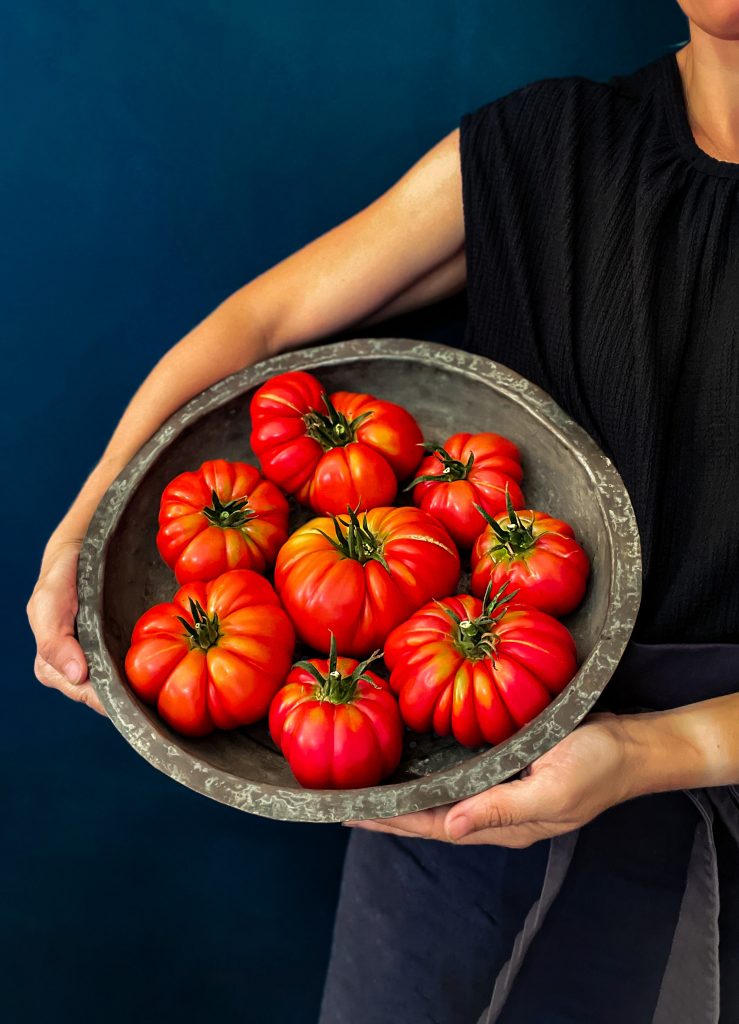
[
  {"x": 214, "y": 656},
  {"x": 468, "y": 470},
  {"x": 337, "y": 723},
  {"x": 537, "y": 554},
  {"x": 478, "y": 669},
  {"x": 335, "y": 450},
  {"x": 223, "y": 516},
  {"x": 360, "y": 579}
]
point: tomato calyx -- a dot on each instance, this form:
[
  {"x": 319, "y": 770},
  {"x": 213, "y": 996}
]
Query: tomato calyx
[
  {"x": 476, "y": 639},
  {"x": 453, "y": 469},
  {"x": 204, "y": 632},
  {"x": 359, "y": 542},
  {"x": 230, "y": 515},
  {"x": 332, "y": 429},
  {"x": 333, "y": 686},
  {"x": 514, "y": 537}
]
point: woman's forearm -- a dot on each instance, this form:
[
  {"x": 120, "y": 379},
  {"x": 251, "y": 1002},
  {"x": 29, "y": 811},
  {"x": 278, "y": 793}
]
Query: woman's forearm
[
  {"x": 685, "y": 748},
  {"x": 229, "y": 338}
]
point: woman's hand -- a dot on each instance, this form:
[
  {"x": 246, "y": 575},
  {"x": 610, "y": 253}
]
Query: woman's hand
[
  {"x": 51, "y": 609},
  {"x": 588, "y": 771}
]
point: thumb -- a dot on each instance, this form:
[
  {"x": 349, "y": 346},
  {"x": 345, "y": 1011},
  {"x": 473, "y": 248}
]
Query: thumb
[
  {"x": 52, "y": 622},
  {"x": 51, "y": 613},
  {"x": 510, "y": 803},
  {"x": 63, "y": 654},
  {"x": 68, "y": 659}
]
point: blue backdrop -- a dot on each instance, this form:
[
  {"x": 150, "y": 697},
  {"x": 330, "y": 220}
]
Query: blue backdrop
[{"x": 155, "y": 157}]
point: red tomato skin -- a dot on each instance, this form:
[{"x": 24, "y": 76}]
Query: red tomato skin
[
  {"x": 552, "y": 575},
  {"x": 278, "y": 438},
  {"x": 477, "y": 701},
  {"x": 497, "y": 464},
  {"x": 231, "y": 683},
  {"x": 337, "y": 746},
  {"x": 363, "y": 473},
  {"x": 194, "y": 548},
  {"x": 324, "y": 592},
  {"x": 355, "y": 476}
]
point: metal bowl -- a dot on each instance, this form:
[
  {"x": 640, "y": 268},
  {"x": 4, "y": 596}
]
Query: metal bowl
[{"x": 121, "y": 574}]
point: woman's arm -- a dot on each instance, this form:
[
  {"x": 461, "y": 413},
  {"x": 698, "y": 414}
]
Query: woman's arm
[
  {"x": 608, "y": 759},
  {"x": 441, "y": 283},
  {"x": 403, "y": 248},
  {"x": 685, "y": 748}
]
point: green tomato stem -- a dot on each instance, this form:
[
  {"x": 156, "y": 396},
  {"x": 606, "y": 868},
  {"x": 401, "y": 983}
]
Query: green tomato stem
[
  {"x": 332, "y": 429},
  {"x": 453, "y": 469},
  {"x": 358, "y": 542},
  {"x": 333, "y": 686},
  {"x": 476, "y": 639},
  {"x": 232, "y": 515},
  {"x": 204, "y": 631}
]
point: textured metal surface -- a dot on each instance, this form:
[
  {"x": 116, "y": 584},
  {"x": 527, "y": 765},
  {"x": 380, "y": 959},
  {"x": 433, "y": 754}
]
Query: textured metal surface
[{"x": 121, "y": 574}]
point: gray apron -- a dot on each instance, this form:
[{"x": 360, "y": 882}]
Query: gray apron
[{"x": 656, "y": 677}]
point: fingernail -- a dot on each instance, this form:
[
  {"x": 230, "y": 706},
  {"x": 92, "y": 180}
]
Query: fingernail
[
  {"x": 348, "y": 823},
  {"x": 73, "y": 671},
  {"x": 459, "y": 827}
]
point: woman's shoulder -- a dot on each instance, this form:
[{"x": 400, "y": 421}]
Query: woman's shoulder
[
  {"x": 533, "y": 96},
  {"x": 548, "y": 102}
]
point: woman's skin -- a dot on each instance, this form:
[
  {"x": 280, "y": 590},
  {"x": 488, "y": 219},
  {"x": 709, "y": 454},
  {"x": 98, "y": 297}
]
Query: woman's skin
[
  {"x": 403, "y": 251},
  {"x": 709, "y": 66}
]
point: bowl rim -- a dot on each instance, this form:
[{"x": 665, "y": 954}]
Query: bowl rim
[{"x": 474, "y": 773}]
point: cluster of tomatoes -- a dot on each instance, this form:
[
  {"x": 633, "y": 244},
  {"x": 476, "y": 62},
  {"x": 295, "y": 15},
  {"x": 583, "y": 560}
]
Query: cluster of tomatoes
[{"x": 364, "y": 579}]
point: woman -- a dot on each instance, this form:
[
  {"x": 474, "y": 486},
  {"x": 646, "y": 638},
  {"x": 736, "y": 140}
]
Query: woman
[{"x": 596, "y": 228}]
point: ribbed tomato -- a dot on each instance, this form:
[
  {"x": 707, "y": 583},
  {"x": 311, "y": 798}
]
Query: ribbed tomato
[
  {"x": 337, "y": 723},
  {"x": 538, "y": 554},
  {"x": 467, "y": 471},
  {"x": 214, "y": 656},
  {"x": 360, "y": 579},
  {"x": 332, "y": 451},
  {"x": 223, "y": 516},
  {"x": 478, "y": 670}
]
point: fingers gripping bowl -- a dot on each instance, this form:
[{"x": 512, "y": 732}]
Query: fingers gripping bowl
[{"x": 121, "y": 573}]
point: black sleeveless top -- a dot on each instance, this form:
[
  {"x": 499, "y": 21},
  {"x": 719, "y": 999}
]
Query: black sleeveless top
[{"x": 603, "y": 264}]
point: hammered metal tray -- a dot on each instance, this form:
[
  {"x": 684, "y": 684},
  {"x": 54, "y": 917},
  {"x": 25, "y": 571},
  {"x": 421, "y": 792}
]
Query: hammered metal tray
[{"x": 120, "y": 572}]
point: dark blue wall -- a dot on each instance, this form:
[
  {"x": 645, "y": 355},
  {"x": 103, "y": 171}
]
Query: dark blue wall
[{"x": 155, "y": 156}]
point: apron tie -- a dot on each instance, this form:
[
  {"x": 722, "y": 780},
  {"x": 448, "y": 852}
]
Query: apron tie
[
  {"x": 561, "y": 851},
  {"x": 690, "y": 983}
]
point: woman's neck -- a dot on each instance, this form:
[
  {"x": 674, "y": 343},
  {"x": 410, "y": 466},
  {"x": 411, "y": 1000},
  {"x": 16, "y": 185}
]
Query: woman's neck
[{"x": 709, "y": 68}]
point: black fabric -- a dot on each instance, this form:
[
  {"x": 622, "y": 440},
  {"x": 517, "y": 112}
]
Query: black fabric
[
  {"x": 603, "y": 264},
  {"x": 655, "y": 677}
]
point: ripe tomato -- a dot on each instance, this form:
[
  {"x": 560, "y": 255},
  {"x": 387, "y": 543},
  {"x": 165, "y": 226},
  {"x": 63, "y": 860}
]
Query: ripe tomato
[
  {"x": 223, "y": 516},
  {"x": 537, "y": 554},
  {"x": 360, "y": 580},
  {"x": 477, "y": 669},
  {"x": 332, "y": 451},
  {"x": 214, "y": 656},
  {"x": 337, "y": 723},
  {"x": 468, "y": 470}
]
